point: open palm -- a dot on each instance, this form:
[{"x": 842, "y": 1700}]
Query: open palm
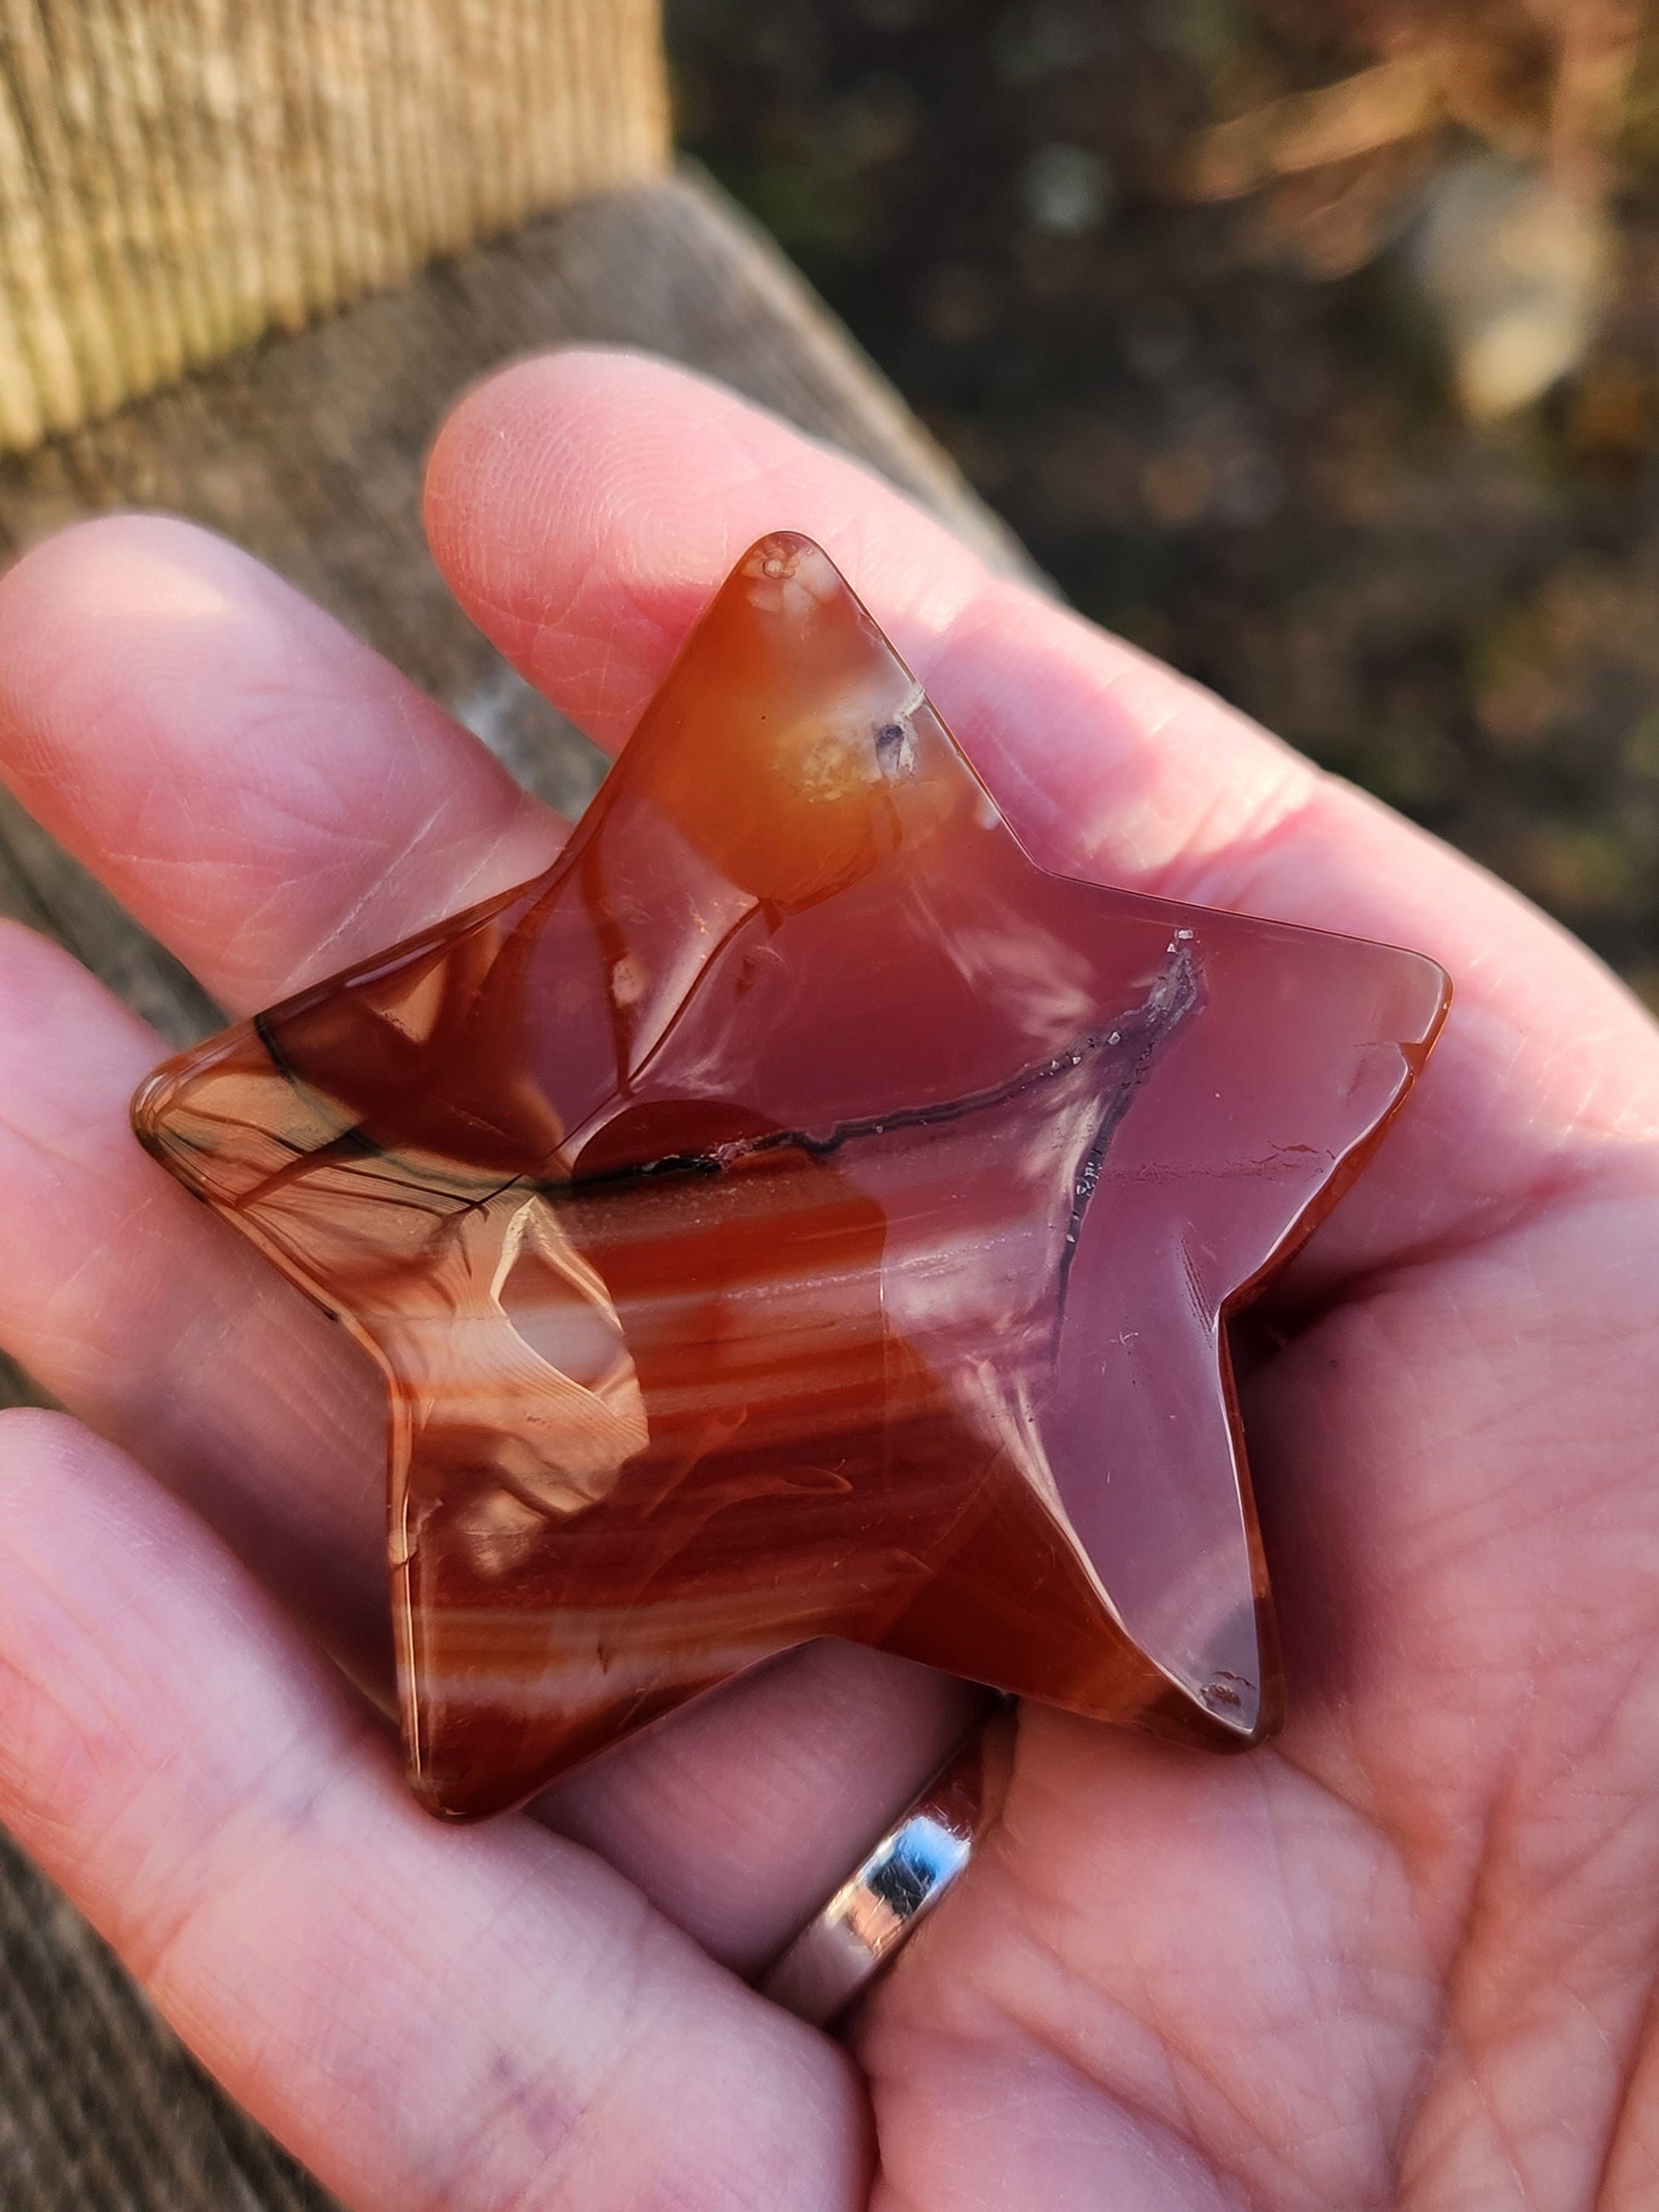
[{"x": 1406, "y": 1957}]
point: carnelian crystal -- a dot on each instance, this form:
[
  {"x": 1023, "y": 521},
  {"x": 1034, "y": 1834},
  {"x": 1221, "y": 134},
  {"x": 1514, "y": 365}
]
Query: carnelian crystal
[{"x": 797, "y": 1213}]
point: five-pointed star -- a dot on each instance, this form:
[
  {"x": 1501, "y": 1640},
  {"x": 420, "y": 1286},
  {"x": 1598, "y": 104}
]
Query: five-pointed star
[{"x": 797, "y": 1213}]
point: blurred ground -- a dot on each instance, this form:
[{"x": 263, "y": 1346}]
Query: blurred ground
[{"x": 1258, "y": 472}]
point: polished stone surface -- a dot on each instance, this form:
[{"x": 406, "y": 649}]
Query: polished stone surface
[{"x": 797, "y": 1213}]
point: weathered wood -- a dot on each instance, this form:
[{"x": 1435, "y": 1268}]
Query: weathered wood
[
  {"x": 101, "y": 2111},
  {"x": 177, "y": 177},
  {"x": 309, "y": 450}
]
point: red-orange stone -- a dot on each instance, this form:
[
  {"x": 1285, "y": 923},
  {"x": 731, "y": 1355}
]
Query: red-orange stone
[{"x": 799, "y": 1214}]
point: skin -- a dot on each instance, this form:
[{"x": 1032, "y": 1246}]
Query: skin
[{"x": 1405, "y": 1957}]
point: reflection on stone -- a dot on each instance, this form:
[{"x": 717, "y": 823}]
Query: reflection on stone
[{"x": 798, "y": 1215}]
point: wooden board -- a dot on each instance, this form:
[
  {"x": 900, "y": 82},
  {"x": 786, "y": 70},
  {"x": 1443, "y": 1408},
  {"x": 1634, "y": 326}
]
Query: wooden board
[
  {"x": 176, "y": 177},
  {"x": 309, "y": 450}
]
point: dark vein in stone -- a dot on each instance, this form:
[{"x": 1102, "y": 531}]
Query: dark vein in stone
[
  {"x": 1143, "y": 1030},
  {"x": 1171, "y": 1000}
]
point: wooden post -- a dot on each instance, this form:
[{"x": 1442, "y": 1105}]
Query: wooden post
[{"x": 178, "y": 176}]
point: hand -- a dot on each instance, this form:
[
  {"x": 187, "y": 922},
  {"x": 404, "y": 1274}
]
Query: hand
[{"x": 1405, "y": 1957}]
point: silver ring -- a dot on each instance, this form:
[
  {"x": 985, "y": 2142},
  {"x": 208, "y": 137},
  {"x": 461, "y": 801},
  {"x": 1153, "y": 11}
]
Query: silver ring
[{"x": 890, "y": 1893}]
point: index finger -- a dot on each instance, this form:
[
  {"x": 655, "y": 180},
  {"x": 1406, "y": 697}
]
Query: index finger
[{"x": 583, "y": 507}]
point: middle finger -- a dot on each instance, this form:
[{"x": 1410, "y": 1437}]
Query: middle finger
[{"x": 269, "y": 797}]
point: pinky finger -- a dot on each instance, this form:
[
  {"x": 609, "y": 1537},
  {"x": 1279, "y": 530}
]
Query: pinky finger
[{"x": 463, "y": 2019}]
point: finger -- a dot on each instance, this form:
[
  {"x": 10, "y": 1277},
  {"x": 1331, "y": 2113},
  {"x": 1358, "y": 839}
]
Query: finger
[
  {"x": 174, "y": 1339},
  {"x": 476, "y": 2019},
  {"x": 1106, "y": 762},
  {"x": 741, "y": 1817},
  {"x": 267, "y": 796},
  {"x": 660, "y": 481},
  {"x": 139, "y": 1311}
]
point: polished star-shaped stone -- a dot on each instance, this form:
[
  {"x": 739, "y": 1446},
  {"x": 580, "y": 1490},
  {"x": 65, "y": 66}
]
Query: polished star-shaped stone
[{"x": 799, "y": 1214}]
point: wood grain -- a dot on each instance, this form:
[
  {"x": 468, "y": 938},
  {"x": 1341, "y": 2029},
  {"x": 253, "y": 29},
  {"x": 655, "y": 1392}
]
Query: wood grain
[{"x": 178, "y": 176}]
